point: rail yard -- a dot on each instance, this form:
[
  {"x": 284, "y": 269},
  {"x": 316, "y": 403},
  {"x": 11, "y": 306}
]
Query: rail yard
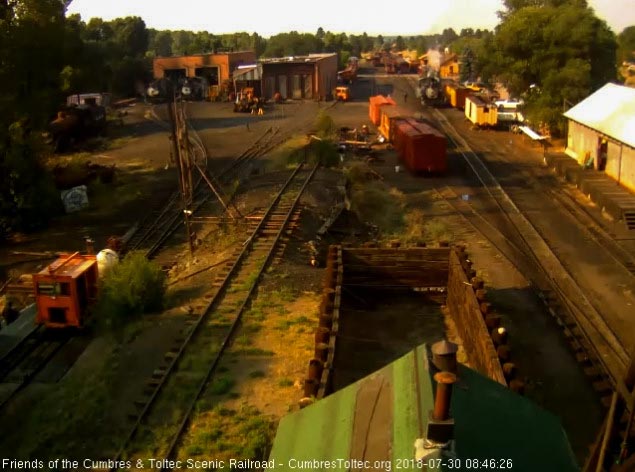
[{"x": 429, "y": 223}]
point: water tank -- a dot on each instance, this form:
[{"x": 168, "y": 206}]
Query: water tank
[{"x": 106, "y": 259}]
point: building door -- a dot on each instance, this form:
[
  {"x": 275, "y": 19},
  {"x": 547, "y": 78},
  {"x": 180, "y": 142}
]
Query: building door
[
  {"x": 270, "y": 87},
  {"x": 296, "y": 87},
  {"x": 602, "y": 154},
  {"x": 209, "y": 73},
  {"x": 308, "y": 86},
  {"x": 282, "y": 86}
]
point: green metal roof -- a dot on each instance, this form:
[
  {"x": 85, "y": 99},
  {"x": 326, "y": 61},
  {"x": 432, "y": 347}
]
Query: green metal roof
[{"x": 378, "y": 419}]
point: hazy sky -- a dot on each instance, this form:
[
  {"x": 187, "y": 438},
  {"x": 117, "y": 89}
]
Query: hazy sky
[{"x": 405, "y": 17}]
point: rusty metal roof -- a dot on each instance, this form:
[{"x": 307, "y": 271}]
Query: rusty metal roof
[
  {"x": 379, "y": 418},
  {"x": 610, "y": 110},
  {"x": 69, "y": 265}
]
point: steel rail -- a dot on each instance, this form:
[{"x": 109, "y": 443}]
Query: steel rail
[
  {"x": 226, "y": 342},
  {"x": 578, "y": 314},
  {"x": 199, "y": 322}
]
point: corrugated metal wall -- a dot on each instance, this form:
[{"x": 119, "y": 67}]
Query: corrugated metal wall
[
  {"x": 583, "y": 140},
  {"x": 627, "y": 177}
]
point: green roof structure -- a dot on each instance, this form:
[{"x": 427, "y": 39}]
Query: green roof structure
[{"x": 375, "y": 423}]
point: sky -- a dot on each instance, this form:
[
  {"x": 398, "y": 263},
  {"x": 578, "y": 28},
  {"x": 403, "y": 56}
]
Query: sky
[{"x": 406, "y": 18}]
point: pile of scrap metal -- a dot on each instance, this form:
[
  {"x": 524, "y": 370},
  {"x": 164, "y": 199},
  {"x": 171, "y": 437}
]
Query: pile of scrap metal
[
  {"x": 246, "y": 102},
  {"x": 358, "y": 140},
  {"x": 349, "y": 74},
  {"x": 75, "y": 123}
]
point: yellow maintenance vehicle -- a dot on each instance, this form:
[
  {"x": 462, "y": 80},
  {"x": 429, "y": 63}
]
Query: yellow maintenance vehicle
[{"x": 342, "y": 93}]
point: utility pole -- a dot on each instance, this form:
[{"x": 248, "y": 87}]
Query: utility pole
[{"x": 180, "y": 148}]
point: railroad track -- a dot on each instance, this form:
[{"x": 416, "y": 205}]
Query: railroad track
[
  {"x": 593, "y": 230},
  {"x": 21, "y": 364},
  {"x": 192, "y": 362},
  {"x": 159, "y": 225},
  {"x": 595, "y": 344}
]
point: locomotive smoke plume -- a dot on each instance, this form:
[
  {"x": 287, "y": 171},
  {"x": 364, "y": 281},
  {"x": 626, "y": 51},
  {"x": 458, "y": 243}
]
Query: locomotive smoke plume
[{"x": 434, "y": 59}]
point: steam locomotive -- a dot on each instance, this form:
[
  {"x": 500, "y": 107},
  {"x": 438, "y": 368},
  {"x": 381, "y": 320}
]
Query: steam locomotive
[
  {"x": 430, "y": 90},
  {"x": 192, "y": 88}
]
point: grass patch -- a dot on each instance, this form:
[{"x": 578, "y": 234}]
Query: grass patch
[
  {"x": 290, "y": 153},
  {"x": 285, "y": 382},
  {"x": 256, "y": 314},
  {"x": 252, "y": 328},
  {"x": 288, "y": 323},
  {"x": 71, "y": 420},
  {"x": 244, "y": 340},
  {"x": 221, "y": 385},
  {"x": 437, "y": 231},
  {"x": 256, "y": 374},
  {"x": 253, "y": 351},
  {"x": 247, "y": 434}
]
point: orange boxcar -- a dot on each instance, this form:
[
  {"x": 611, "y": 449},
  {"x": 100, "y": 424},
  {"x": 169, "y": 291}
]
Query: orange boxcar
[
  {"x": 65, "y": 289},
  {"x": 420, "y": 147},
  {"x": 374, "y": 109}
]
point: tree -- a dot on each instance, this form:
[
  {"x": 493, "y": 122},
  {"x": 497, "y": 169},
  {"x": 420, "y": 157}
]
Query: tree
[
  {"x": 320, "y": 33},
  {"x": 626, "y": 44},
  {"x": 448, "y": 36},
  {"x": 379, "y": 42},
  {"x": 28, "y": 29},
  {"x": 130, "y": 36},
  {"x": 468, "y": 65},
  {"x": 162, "y": 44},
  {"x": 558, "y": 45},
  {"x": 400, "y": 44}
]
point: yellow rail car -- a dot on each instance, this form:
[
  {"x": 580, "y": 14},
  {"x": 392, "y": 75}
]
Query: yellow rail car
[
  {"x": 480, "y": 113},
  {"x": 456, "y": 95},
  {"x": 389, "y": 116}
]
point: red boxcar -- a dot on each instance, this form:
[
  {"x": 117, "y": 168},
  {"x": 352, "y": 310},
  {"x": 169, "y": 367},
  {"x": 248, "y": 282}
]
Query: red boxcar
[
  {"x": 374, "y": 109},
  {"x": 420, "y": 147}
]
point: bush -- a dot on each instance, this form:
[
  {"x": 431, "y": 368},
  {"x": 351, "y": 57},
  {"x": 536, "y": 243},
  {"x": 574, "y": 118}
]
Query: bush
[
  {"x": 325, "y": 125},
  {"x": 131, "y": 288},
  {"x": 374, "y": 204},
  {"x": 323, "y": 151}
]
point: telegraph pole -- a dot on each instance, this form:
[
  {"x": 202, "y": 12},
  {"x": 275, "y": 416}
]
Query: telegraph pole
[{"x": 180, "y": 149}]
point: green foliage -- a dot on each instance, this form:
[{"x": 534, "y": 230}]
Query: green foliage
[
  {"x": 626, "y": 44},
  {"x": 373, "y": 203},
  {"x": 324, "y": 125},
  {"x": 221, "y": 385},
  {"x": 323, "y": 151},
  {"x": 559, "y": 45},
  {"x": 285, "y": 382},
  {"x": 27, "y": 193},
  {"x": 292, "y": 44},
  {"x": 129, "y": 289}
]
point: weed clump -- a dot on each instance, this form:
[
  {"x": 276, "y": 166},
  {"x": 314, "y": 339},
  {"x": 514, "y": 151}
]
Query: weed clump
[
  {"x": 324, "y": 125},
  {"x": 128, "y": 290},
  {"x": 221, "y": 385},
  {"x": 323, "y": 151}
]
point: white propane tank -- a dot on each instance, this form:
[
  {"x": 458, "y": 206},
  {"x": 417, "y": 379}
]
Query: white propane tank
[{"x": 106, "y": 259}]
